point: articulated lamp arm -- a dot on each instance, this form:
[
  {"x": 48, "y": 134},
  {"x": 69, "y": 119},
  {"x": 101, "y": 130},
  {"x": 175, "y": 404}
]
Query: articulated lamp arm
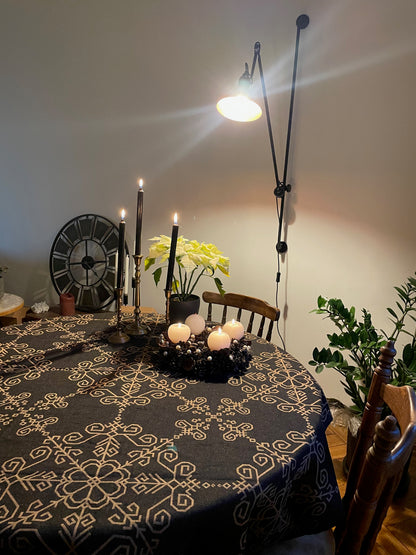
[
  {"x": 281, "y": 187},
  {"x": 240, "y": 108}
]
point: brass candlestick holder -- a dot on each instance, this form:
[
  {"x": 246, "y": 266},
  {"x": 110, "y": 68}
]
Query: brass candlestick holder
[
  {"x": 137, "y": 327},
  {"x": 118, "y": 337},
  {"x": 168, "y": 293}
]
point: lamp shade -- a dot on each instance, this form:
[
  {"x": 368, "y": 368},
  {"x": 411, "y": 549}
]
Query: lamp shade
[{"x": 239, "y": 108}]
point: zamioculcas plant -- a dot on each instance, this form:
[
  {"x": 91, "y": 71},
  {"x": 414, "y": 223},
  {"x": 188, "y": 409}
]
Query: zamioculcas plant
[{"x": 354, "y": 347}]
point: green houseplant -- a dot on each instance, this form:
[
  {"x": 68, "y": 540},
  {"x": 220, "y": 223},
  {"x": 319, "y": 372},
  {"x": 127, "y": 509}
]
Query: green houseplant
[
  {"x": 193, "y": 261},
  {"x": 354, "y": 348}
]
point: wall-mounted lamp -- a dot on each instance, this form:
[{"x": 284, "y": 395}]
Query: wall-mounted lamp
[{"x": 241, "y": 108}]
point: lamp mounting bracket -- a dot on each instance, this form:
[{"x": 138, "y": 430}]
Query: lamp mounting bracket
[
  {"x": 281, "y": 189},
  {"x": 281, "y": 247},
  {"x": 302, "y": 21}
]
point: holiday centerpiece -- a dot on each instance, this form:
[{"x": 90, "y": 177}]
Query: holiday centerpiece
[{"x": 198, "y": 350}]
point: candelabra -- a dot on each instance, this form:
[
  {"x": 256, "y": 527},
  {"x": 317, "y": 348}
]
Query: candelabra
[{"x": 118, "y": 337}]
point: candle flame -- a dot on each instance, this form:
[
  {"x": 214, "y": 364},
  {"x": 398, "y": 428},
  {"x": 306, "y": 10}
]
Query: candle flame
[
  {"x": 219, "y": 330},
  {"x": 123, "y": 214},
  {"x": 175, "y": 218},
  {"x": 140, "y": 183}
]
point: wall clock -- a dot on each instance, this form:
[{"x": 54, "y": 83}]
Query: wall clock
[{"x": 83, "y": 261}]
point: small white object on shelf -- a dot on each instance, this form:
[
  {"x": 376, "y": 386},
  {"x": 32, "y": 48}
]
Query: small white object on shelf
[{"x": 38, "y": 308}]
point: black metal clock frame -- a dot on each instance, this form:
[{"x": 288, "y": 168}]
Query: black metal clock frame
[{"x": 83, "y": 261}]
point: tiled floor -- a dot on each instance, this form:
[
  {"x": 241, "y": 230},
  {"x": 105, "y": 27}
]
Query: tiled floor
[{"x": 398, "y": 533}]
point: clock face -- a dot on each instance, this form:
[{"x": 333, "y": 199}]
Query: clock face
[{"x": 83, "y": 261}]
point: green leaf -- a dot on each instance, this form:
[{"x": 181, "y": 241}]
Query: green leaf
[
  {"x": 354, "y": 337},
  {"x": 321, "y": 301},
  {"x": 352, "y": 322},
  {"x": 399, "y": 306},
  {"x": 409, "y": 354},
  {"x": 149, "y": 262},
  {"x": 219, "y": 285},
  {"x": 324, "y": 355},
  {"x": 347, "y": 340},
  {"x": 391, "y": 311},
  {"x": 333, "y": 364},
  {"x": 336, "y": 340},
  {"x": 315, "y": 354},
  {"x": 156, "y": 275},
  {"x": 402, "y": 294}
]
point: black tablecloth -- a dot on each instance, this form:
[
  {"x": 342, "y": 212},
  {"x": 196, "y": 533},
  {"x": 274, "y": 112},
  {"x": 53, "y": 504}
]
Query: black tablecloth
[{"x": 102, "y": 452}]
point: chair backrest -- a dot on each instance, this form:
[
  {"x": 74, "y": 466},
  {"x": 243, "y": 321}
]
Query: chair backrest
[
  {"x": 382, "y": 450},
  {"x": 243, "y": 302}
]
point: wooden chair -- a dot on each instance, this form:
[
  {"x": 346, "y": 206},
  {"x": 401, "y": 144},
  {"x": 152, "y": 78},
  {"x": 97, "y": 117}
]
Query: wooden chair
[
  {"x": 383, "y": 448},
  {"x": 243, "y": 302},
  {"x": 377, "y": 466}
]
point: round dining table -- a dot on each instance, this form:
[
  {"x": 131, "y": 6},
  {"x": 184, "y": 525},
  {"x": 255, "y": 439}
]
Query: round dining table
[{"x": 103, "y": 449}]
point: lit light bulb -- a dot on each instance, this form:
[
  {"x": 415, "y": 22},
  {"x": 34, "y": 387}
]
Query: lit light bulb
[{"x": 239, "y": 108}]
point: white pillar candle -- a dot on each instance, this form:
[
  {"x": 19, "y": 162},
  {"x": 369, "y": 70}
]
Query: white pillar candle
[
  {"x": 218, "y": 340},
  {"x": 196, "y": 323},
  {"x": 234, "y": 329},
  {"x": 178, "y": 332}
]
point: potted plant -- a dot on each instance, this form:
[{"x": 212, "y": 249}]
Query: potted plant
[
  {"x": 194, "y": 260},
  {"x": 353, "y": 350}
]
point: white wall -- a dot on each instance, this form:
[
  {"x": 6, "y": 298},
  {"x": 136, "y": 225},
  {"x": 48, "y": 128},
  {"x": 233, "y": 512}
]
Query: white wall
[{"x": 97, "y": 92}]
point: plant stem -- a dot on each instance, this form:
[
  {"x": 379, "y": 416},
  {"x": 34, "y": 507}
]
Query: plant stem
[
  {"x": 398, "y": 326},
  {"x": 180, "y": 278},
  {"x": 196, "y": 281},
  {"x": 188, "y": 292}
]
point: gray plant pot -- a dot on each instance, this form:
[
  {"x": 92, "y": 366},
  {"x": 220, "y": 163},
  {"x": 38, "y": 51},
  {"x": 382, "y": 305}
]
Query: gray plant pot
[{"x": 180, "y": 310}]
